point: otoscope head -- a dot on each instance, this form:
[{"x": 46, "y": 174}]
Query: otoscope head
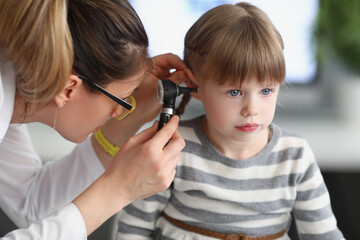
[{"x": 167, "y": 91}]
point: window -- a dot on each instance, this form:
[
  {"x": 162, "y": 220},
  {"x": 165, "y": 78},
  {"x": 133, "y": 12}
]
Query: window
[{"x": 167, "y": 22}]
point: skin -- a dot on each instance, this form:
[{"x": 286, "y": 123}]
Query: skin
[
  {"x": 142, "y": 167},
  {"x": 90, "y": 111},
  {"x": 238, "y": 118}
]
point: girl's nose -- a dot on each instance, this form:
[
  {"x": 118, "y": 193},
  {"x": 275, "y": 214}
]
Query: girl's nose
[{"x": 249, "y": 107}]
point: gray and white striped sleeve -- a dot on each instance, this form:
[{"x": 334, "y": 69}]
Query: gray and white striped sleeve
[{"x": 137, "y": 220}]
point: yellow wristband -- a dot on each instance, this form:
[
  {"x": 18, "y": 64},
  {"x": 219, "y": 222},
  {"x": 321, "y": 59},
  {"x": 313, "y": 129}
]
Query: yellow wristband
[{"x": 105, "y": 144}]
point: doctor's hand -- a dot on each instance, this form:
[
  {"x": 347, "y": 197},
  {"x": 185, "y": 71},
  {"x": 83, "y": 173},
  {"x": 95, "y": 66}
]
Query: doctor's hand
[
  {"x": 165, "y": 66},
  {"x": 143, "y": 167},
  {"x": 169, "y": 66}
]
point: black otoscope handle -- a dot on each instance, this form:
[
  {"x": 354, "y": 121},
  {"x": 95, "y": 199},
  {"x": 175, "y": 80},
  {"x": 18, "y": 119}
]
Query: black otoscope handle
[
  {"x": 164, "y": 119},
  {"x": 165, "y": 116}
]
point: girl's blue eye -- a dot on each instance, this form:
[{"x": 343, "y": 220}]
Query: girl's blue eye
[
  {"x": 234, "y": 93},
  {"x": 266, "y": 91}
]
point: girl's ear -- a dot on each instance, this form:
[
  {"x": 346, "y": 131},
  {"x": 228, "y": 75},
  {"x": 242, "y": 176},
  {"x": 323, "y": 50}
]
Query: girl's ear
[
  {"x": 71, "y": 89},
  {"x": 192, "y": 83}
]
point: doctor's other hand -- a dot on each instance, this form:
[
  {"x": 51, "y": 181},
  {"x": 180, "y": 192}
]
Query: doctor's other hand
[
  {"x": 165, "y": 66},
  {"x": 169, "y": 66}
]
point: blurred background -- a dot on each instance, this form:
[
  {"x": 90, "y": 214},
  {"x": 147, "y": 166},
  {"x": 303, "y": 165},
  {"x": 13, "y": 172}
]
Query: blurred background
[{"x": 320, "y": 101}]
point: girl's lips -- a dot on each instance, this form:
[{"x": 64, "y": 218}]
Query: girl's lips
[{"x": 248, "y": 127}]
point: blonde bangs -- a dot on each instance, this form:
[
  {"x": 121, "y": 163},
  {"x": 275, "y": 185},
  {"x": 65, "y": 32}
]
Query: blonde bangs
[{"x": 235, "y": 50}]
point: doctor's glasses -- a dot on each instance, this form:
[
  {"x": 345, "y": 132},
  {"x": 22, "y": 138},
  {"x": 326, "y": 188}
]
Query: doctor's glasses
[{"x": 128, "y": 103}]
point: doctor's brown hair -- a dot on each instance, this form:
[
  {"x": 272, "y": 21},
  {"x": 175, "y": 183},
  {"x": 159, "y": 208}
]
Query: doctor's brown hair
[
  {"x": 46, "y": 41},
  {"x": 109, "y": 39},
  {"x": 233, "y": 44}
]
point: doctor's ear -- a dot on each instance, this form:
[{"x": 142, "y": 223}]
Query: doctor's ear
[{"x": 71, "y": 88}]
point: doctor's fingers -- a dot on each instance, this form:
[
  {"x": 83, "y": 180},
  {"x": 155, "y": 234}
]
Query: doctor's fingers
[
  {"x": 167, "y": 132},
  {"x": 178, "y": 77},
  {"x": 174, "y": 146},
  {"x": 163, "y": 64},
  {"x": 168, "y": 61}
]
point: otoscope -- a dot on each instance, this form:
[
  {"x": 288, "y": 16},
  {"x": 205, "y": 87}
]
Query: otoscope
[{"x": 167, "y": 91}]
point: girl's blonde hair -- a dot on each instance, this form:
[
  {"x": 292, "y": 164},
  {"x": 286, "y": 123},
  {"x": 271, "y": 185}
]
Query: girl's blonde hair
[
  {"x": 235, "y": 43},
  {"x": 35, "y": 37}
]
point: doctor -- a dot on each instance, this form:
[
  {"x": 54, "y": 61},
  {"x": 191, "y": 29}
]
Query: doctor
[{"x": 72, "y": 65}]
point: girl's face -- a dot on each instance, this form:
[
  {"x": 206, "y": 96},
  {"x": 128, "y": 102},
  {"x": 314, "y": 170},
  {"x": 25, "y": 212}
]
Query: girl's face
[
  {"x": 86, "y": 111},
  {"x": 238, "y": 115}
]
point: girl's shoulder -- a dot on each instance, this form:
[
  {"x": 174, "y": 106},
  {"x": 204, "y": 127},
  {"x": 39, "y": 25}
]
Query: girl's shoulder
[
  {"x": 285, "y": 136},
  {"x": 191, "y": 128},
  {"x": 288, "y": 145}
]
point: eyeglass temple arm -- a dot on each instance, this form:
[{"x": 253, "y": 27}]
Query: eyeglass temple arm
[{"x": 114, "y": 98}]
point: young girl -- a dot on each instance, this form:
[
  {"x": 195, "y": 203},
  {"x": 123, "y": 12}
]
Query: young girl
[{"x": 240, "y": 177}]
